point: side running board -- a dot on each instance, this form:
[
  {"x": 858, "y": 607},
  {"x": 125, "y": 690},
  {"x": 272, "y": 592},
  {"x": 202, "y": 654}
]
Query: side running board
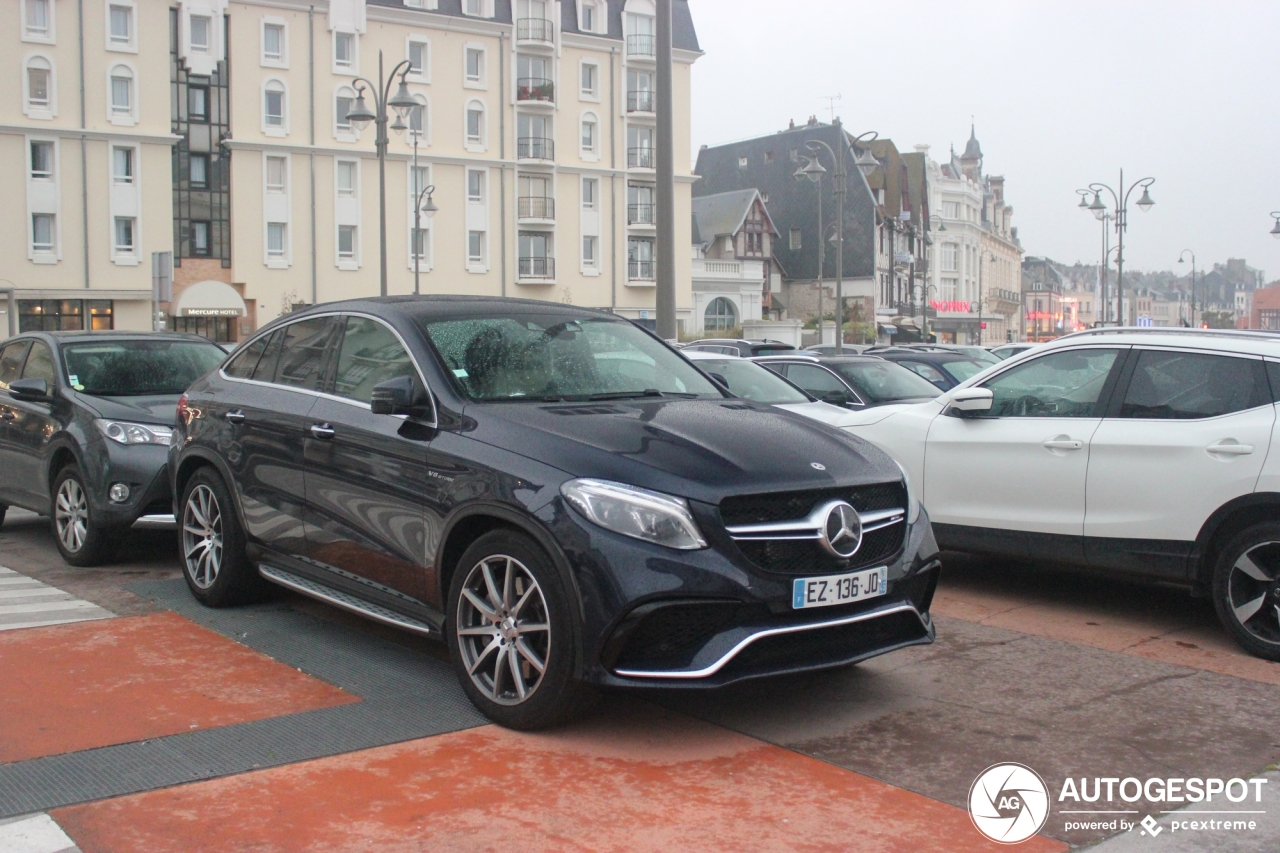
[{"x": 337, "y": 598}]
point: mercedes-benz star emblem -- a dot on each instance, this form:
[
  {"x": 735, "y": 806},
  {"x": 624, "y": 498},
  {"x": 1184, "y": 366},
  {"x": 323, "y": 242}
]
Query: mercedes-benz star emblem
[{"x": 842, "y": 531}]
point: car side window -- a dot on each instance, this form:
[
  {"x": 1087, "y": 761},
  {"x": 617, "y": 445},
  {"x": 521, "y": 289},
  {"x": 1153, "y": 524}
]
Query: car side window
[
  {"x": 266, "y": 369},
  {"x": 39, "y": 364},
  {"x": 1186, "y": 385},
  {"x": 243, "y": 365},
  {"x": 370, "y": 354},
  {"x": 11, "y": 358},
  {"x": 818, "y": 381},
  {"x": 928, "y": 371},
  {"x": 1060, "y": 385},
  {"x": 1273, "y": 374},
  {"x": 303, "y": 351}
]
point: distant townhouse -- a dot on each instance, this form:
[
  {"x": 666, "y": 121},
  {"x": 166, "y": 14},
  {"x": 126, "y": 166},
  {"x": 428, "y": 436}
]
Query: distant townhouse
[{"x": 733, "y": 237}]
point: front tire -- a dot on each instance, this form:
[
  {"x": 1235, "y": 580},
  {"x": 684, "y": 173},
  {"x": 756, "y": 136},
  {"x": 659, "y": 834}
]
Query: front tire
[
  {"x": 1246, "y": 589},
  {"x": 214, "y": 563},
  {"x": 511, "y": 635},
  {"x": 80, "y": 539}
]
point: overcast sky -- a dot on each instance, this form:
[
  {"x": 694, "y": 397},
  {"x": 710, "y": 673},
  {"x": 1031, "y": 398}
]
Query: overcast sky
[{"x": 1063, "y": 93}]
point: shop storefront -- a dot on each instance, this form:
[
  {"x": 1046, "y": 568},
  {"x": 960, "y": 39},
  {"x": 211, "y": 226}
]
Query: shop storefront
[{"x": 211, "y": 309}]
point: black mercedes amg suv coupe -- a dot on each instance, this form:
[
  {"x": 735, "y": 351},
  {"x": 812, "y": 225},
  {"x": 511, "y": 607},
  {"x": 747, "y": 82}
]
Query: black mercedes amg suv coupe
[{"x": 553, "y": 491}]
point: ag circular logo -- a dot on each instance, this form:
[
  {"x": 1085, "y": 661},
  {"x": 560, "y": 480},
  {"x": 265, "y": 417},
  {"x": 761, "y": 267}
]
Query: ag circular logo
[
  {"x": 841, "y": 532},
  {"x": 1009, "y": 803}
]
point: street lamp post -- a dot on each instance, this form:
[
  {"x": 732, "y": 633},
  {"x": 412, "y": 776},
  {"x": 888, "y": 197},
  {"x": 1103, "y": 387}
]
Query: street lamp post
[
  {"x": 982, "y": 256},
  {"x": 1185, "y": 252},
  {"x": 814, "y": 171},
  {"x": 1275, "y": 232},
  {"x": 360, "y": 116},
  {"x": 1104, "y": 275},
  {"x": 1121, "y": 216}
]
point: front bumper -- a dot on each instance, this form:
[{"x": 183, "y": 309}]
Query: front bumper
[
  {"x": 142, "y": 467},
  {"x": 657, "y": 618}
]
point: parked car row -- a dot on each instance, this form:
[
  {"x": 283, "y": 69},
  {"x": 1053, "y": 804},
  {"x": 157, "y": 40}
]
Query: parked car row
[{"x": 569, "y": 502}]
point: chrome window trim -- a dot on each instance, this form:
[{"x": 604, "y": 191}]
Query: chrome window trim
[{"x": 435, "y": 414}]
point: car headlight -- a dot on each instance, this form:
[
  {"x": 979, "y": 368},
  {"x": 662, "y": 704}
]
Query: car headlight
[
  {"x": 123, "y": 432},
  {"x": 913, "y": 502},
  {"x": 638, "y": 513}
]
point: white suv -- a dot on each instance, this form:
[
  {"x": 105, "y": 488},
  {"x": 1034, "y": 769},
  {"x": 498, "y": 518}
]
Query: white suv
[{"x": 1139, "y": 452}]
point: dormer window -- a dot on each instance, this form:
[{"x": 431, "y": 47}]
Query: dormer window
[{"x": 201, "y": 28}]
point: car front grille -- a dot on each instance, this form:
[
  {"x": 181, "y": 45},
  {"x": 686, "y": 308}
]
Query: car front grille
[
  {"x": 787, "y": 557},
  {"x": 783, "y": 506}
]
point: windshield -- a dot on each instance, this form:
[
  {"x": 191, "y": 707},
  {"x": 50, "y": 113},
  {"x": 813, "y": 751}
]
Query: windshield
[
  {"x": 884, "y": 382},
  {"x": 962, "y": 369},
  {"x": 751, "y": 381},
  {"x": 137, "y": 368},
  {"x": 561, "y": 357}
]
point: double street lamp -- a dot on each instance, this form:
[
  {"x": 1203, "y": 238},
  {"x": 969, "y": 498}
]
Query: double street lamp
[
  {"x": 814, "y": 170},
  {"x": 360, "y": 115},
  {"x": 1186, "y": 252},
  {"x": 1121, "y": 216}
]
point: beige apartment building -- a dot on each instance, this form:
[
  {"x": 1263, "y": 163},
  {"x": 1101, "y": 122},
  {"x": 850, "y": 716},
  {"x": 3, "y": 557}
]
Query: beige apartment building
[{"x": 536, "y": 134}]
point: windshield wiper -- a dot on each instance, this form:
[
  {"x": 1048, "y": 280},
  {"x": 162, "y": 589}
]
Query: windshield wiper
[{"x": 626, "y": 395}]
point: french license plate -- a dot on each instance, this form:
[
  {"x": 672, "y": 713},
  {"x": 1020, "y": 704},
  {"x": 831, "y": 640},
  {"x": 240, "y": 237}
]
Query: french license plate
[{"x": 838, "y": 589}]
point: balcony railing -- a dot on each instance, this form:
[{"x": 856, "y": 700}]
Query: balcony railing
[
  {"x": 641, "y": 158},
  {"x": 642, "y": 44},
  {"x": 535, "y": 148},
  {"x": 640, "y": 101},
  {"x": 536, "y": 207},
  {"x": 641, "y": 270},
  {"x": 640, "y": 214},
  {"x": 537, "y": 267},
  {"x": 535, "y": 89},
  {"x": 535, "y": 29}
]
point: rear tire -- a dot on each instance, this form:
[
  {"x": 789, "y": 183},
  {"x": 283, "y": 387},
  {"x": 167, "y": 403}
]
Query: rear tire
[
  {"x": 509, "y": 614},
  {"x": 214, "y": 563},
  {"x": 1246, "y": 589},
  {"x": 81, "y": 541}
]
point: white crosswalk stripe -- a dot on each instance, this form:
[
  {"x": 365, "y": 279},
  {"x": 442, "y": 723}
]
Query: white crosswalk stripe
[
  {"x": 37, "y": 833},
  {"x": 28, "y": 603}
]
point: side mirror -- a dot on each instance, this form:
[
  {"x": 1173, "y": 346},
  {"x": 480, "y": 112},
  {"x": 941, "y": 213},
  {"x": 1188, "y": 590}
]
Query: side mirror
[
  {"x": 835, "y": 398},
  {"x": 399, "y": 396},
  {"x": 970, "y": 403},
  {"x": 29, "y": 390}
]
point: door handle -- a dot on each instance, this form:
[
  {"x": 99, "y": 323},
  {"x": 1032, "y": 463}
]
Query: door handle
[
  {"x": 235, "y": 416},
  {"x": 1230, "y": 447},
  {"x": 1063, "y": 444},
  {"x": 324, "y": 432}
]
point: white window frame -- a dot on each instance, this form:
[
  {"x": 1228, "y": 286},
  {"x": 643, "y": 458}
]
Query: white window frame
[
  {"x": 281, "y": 130},
  {"x": 130, "y": 118},
  {"x": 428, "y": 233},
  {"x": 44, "y": 198},
  {"x": 476, "y": 219},
  {"x": 594, "y": 183},
  {"x": 52, "y": 175},
  {"x": 338, "y": 190},
  {"x": 352, "y": 69},
  {"x": 592, "y": 96},
  {"x": 46, "y": 111},
  {"x": 48, "y": 37},
  {"x": 590, "y": 265},
  {"x": 131, "y": 46},
  {"x": 340, "y": 133},
  {"x": 592, "y": 154},
  {"x": 478, "y": 264},
  {"x": 599, "y": 16},
  {"x": 210, "y": 46},
  {"x": 423, "y": 75},
  {"x": 277, "y": 209},
  {"x": 483, "y": 81},
  {"x": 481, "y": 145},
  {"x": 281, "y": 61},
  {"x": 130, "y": 257},
  {"x": 284, "y": 258},
  {"x": 281, "y": 188},
  {"x": 346, "y": 262},
  {"x": 49, "y": 255},
  {"x": 485, "y": 11}
]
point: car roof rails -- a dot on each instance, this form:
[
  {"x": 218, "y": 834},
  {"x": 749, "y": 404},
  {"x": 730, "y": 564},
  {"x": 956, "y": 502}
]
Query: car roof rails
[{"x": 1245, "y": 334}]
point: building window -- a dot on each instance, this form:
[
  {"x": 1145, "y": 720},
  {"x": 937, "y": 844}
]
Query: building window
[
  {"x": 201, "y": 30},
  {"x": 419, "y": 243},
  {"x": 590, "y": 84},
  {"x": 534, "y": 255},
  {"x": 273, "y": 44},
  {"x": 589, "y": 189},
  {"x": 276, "y": 174},
  {"x": 950, "y": 257},
  {"x": 125, "y": 235},
  {"x": 65, "y": 315},
  {"x": 198, "y": 104},
  {"x": 721, "y": 314},
  {"x": 344, "y": 51},
  {"x": 640, "y": 206},
  {"x": 346, "y": 179},
  {"x": 640, "y": 260},
  {"x": 475, "y": 247},
  {"x": 640, "y": 91},
  {"x": 42, "y": 161},
  {"x": 418, "y": 120},
  {"x": 199, "y": 171},
  {"x": 641, "y": 35},
  {"x": 200, "y": 239},
  {"x": 589, "y": 135},
  {"x": 640, "y": 147},
  {"x": 43, "y": 232},
  {"x": 477, "y": 8},
  {"x": 122, "y": 171},
  {"x": 589, "y": 251},
  {"x": 344, "y": 102},
  {"x": 276, "y": 239},
  {"x": 475, "y": 124},
  {"x": 39, "y": 84},
  {"x": 475, "y": 65},
  {"x": 121, "y": 92},
  {"x": 418, "y": 59},
  {"x": 797, "y": 241},
  {"x": 273, "y": 106},
  {"x": 121, "y": 33},
  {"x": 475, "y": 187},
  {"x": 39, "y": 19},
  {"x": 587, "y": 16},
  {"x": 346, "y": 242}
]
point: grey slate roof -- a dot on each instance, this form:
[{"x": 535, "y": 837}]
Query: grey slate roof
[
  {"x": 972, "y": 150},
  {"x": 717, "y": 215},
  {"x": 683, "y": 35}
]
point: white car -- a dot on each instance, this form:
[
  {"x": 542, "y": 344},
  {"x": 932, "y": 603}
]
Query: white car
[
  {"x": 744, "y": 378},
  {"x": 1137, "y": 452}
]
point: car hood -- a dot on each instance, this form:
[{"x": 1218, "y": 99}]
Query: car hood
[
  {"x": 161, "y": 409},
  {"x": 819, "y": 411},
  {"x": 704, "y": 450},
  {"x": 876, "y": 414}
]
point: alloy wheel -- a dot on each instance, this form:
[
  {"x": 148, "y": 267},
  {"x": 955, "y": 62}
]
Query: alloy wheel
[
  {"x": 202, "y": 536},
  {"x": 503, "y": 629},
  {"x": 71, "y": 515},
  {"x": 1253, "y": 591}
]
